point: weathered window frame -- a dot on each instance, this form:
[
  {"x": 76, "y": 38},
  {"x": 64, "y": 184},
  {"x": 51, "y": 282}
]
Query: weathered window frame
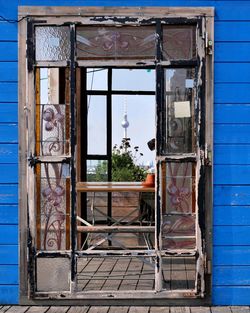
[{"x": 85, "y": 15}]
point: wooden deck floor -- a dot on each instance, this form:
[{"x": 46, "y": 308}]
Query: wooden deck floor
[
  {"x": 121, "y": 309},
  {"x": 126, "y": 273}
]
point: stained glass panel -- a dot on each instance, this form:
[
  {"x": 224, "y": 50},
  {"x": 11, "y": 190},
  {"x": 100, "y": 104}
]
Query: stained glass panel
[
  {"x": 115, "y": 42},
  {"x": 179, "y": 42},
  {"x": 52, "y": 43}
]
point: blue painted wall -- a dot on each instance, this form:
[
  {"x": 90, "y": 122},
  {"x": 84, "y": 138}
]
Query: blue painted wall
[{"x": 231, "y": 251}]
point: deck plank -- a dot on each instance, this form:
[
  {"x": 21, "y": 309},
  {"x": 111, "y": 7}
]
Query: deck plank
[
  {"x": 118, "y": 309},
  {"x": 58, "y": 309},
  {"x": 38, "y": 309},
  {"x": 183, "y": 309},
  {"x": 200, "y": 309},
  {"x": 178, "y": 274},
  {"x": 4, "y": 308},
  {"x": 138, "y": 309},
  {"x": 240, "y": 309},
  {"x": 78, "y": 309},
  {"x": 17, "y": 309},
  {"x": 132, "y": 275},
  {"x": 98, "y": 309},
  {"x": 159, "y": 309},
  {"x": 220, "y": 309}
]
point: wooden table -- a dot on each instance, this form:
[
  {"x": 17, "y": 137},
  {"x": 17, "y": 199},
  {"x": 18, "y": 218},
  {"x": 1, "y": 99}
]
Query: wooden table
[{"x": 112, "y": 187}]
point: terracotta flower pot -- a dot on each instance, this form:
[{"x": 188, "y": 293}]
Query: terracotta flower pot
[{"x": 150, "y": 180}]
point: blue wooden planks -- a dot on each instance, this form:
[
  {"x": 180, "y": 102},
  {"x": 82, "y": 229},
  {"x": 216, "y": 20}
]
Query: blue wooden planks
[
  {"x": 232, "y": 133},
  {"x": 8, "y": 274},
  {"x": 8, "y": 153},
  {"x": 232, "y": 72},
  {"x": 229, "y": 215},
  {"x": 231, "y": 174},
  {"x": 232, "y": 31},
  {"x": 9, "y": 294},
  {"x": 8, "y": 31},
  {"x": 8, "y": 51},
  {"x": 231, "y": 195},
  {"x": 8, "y": 214},
  {"x": 8, "y": 254},
  {"x": 232, "y": 52},
  {"x": 8, "y": 194},
  {"x": 232, "y": 93},
  {"x": 9, "y": 112},
  {"x": 9, "y": 173},
  {"x": 8, "y": 9},
  {"x": 235, "y": 255},
  {"x": 8, "y": 234},
  {"x": 8, "y": 91},
  {"x": 8, "y": 72},
  {"x": 231, "y": 113},
  {"x": 231, "y": 295},
  {"x": 231, "y": 275},
  {"x": 228, "y": 154},
  {"x": 8, "y": 133},
  {"x": 231, "y": 235}
]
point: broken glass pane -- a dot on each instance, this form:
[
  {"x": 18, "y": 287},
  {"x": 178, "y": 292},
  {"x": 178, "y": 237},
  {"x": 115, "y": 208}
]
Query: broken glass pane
[
  {"x": 180, "y": 110},
  {"x": 115, "y": 42},
  {"x": 52, "y": 43},
  {"x": 179, "y": 42}
]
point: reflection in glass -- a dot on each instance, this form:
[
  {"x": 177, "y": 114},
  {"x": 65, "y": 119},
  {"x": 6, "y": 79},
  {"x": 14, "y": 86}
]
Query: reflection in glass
[
  {"x": 97, "y": 125},
  {"x": 179, "y": 42},
  {"x": 131, "y": 79},
  {"x": 115, "y": 42},
  {"x": 97, "y": 170},
  {"x": 180, "y": 107},
  {"x": 52, "y": 43}
]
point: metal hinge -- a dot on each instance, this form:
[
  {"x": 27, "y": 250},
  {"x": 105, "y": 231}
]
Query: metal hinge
[{"x": 209, "y": 45}]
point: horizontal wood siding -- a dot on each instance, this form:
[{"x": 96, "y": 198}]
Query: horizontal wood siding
[
  {"x": 8, "y": 155},
  {"x": 231, "y": 230}
]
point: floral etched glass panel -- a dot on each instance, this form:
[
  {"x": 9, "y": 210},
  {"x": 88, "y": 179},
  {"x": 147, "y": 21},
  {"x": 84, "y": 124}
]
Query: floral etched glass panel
[
  {"x": 179, "y": 93},
  {"x": 179, "y": 205},
  {"x": 115, "y": 42},
  {"x": 53, "y": 206},
  {"x": 53, "y": 119},
  {"x": 179, "y": 42},
  {"x": 52, "y": 43}
]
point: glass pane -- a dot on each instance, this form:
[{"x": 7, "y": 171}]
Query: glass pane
[
  {"x": 97, "y": 170},
  {"x": 52, "y": 43},
  {"x": 52, "y": 125},
  {"x": 115, "y": 42},
  {"x": 133, "y": 123},
  {"x": 97, "y": 125},
  {"x": 179, "y": 187},
  {"x": 174, "y": 225},
  {"x": 180, "y": 110},
  {"x": 179, "y": 42},
  {"x": 97, "y": 79},
  {"x": 140, "y": 80},
  {"x": 53, "y": 206},
  {"x": 53, "y": 274}
]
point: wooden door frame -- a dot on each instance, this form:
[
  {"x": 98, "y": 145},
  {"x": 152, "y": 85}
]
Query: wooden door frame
[{"x": 86, "y": 15}]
